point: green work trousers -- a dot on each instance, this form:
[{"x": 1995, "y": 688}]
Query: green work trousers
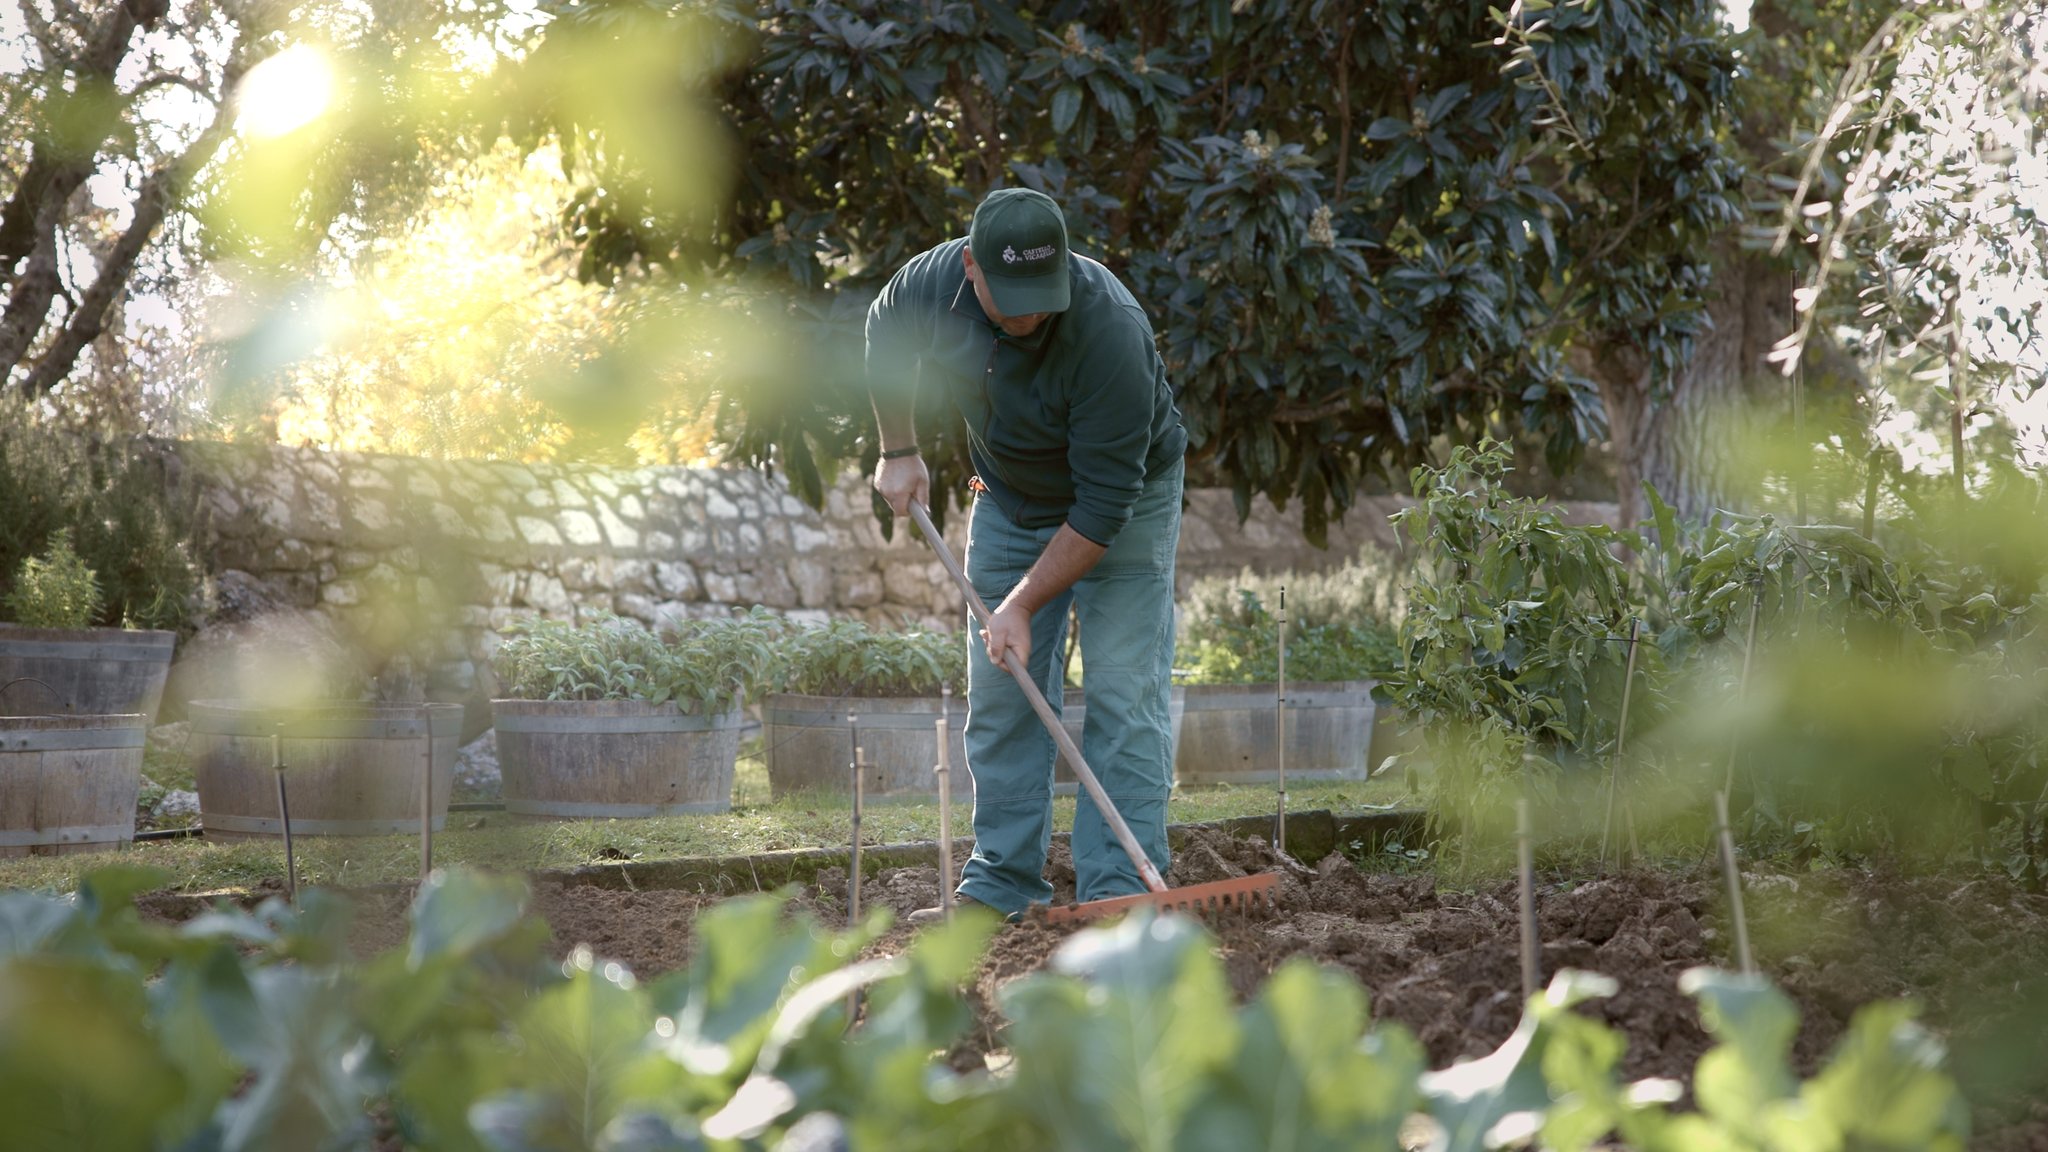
[{"x": 1125, "y": 608}]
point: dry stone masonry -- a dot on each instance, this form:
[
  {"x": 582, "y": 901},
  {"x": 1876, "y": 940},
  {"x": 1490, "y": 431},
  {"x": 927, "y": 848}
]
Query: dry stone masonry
[{"x": 431, "y": 559}]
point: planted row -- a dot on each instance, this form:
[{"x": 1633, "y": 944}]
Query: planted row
[{"x": 250, "y": 1030}]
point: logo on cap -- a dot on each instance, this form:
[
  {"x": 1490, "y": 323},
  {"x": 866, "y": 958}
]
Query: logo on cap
[{"x": 1010, "y": 254}]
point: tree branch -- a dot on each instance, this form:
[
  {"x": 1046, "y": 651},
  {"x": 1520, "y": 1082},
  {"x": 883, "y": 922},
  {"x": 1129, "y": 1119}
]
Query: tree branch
[
  {"x": 52, "y": 178},
  {"x": 164, "y": 188},
  {"x": 173, "y": 79},
  {"x": 1287, "y": 414},
  {"x": 33, "y": 290}
]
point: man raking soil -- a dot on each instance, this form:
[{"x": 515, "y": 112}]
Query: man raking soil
[{"x": 1077, "y": 447}]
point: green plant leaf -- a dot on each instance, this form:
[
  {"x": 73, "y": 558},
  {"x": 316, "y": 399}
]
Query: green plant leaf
[
  {"x": 1748, "y": 1072},
  {"x": 1128, "y": 1045},
  {"x": 1504, "y": 1096},
  {"x": 459, "y": 910},
  {"x": 747, "y": 959},
  {"x": 295, "y": 1033},
  {"x": 79, "y": 1065},
  {"x": 1302, "y": 1079}
]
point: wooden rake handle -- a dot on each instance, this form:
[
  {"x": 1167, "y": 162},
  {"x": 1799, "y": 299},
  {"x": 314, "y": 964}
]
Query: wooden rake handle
[{"x": 1146, "y": 869}]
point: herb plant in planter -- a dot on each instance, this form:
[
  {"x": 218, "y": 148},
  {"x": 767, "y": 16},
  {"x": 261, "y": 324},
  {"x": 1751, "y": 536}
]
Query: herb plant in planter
[
  {"x": 96, "y": 572},
  {"x": 889, "y": 683},
  {"x": 54, "y": 661},
  {"x": 1336, "y": 646},
  {"x": 71, "y": 777},
  {"x": 608, "y": 719}
]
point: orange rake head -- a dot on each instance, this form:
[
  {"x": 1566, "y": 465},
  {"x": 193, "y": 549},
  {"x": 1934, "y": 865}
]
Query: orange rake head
[{"x": 1242, "y": 894}]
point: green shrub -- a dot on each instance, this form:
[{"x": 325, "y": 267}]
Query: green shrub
[
  {"x": 1340, "y": 623},
  {"x": 1511, "y": 632},
  {"x": 705, "y": 666},
  {"x": 56, "y": 589},
  {"x": 128, "y": 523},
  {"x": 848, "y": 658}
]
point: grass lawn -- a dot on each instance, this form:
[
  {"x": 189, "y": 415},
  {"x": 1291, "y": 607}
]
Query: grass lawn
[{"x": 756, "y": 824}]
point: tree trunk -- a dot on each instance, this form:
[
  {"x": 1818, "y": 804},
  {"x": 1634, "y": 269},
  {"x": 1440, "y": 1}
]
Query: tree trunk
[{"x": 1685, "y": 438}]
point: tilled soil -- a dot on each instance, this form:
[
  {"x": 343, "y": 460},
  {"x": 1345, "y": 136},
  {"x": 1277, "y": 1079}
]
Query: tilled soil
[{"x": 1446, "y": 964}]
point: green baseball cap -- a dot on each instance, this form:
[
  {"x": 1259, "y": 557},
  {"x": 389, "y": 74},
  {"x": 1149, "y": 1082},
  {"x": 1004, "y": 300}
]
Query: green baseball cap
[{"x": 1019, "y": 239}]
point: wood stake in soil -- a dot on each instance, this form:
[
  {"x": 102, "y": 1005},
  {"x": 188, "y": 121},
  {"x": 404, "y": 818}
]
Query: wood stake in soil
[
  {"x": 860, "y": 769},
  {"x": 427, "y": 797},
  {"x": 859, "y": 766},
  {"x": 284, "y": 819},
  {"x": 1280, "y": 730},
  {"x": 1628, "y": 682},
  {"x": 1734, "y": 878},
  {"x": 1525, "y": 868},
  {"x": 945, "y": 771}
]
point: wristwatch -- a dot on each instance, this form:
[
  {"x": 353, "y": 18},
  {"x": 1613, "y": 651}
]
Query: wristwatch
[{"x": 900, "y": 453}]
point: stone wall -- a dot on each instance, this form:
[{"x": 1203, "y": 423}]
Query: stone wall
[{"x": 431, "y": 559}]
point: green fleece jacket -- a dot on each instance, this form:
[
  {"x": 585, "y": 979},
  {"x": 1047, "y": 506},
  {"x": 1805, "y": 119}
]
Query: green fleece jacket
[{"x": 1065, "y": 424}]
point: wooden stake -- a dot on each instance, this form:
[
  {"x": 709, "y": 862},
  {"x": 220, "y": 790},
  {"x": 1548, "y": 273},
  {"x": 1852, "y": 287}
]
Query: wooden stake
[
  {"x": 427, "y": 796},
  {"x": 1628, "y": 683},
  {"x": 1525, "y": 867},
  {"x": 860, "y": 765},
  {"x": 945, "y": 770},
  {"x": 284, "y": 819},
  {"x": 1734, "y": 878},
  {"x": 1280, "y": 729}
]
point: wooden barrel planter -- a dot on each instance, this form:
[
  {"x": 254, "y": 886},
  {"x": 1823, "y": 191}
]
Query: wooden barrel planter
[
  {"x": 809, "y": 745},
  {"x": 351, "y": 768},
  {"x": 613, "y": 759},
  {"x": 83, "y": 671},
  {"x": 68, "y": 783},
  {"x": 1229, "y": 734},
  {"x": 1074, "y": 718}
]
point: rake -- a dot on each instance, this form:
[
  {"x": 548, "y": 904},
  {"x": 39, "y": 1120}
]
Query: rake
[{"x": 1239, "y": 894}]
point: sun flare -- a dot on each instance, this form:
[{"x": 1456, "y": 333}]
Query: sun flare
[{"x": 286, "y": 92}]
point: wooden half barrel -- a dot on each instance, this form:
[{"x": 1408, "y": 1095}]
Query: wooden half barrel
[
  {"x": 613, "y": 759},
  {"x": 68, "y": 783},
  {"x": 1074, "y": 718},
  {"x": 83, "y": 671},
  {"x": 809, "y": 745},
  {"x": 1229, "y": 734},
  {"x": 351, "y": 768}
]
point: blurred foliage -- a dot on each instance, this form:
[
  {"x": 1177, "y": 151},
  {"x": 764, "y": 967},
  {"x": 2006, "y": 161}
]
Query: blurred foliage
[
  {"x": 170, "y": 147},
  {"x": 128, "y": 524},
  {"x": 243, "y": 1030},
  {"x": 55, "y": 589},
  {"x": 849, "y": 658},
  {"x": 461, "y": 334},
  {"x": 705, "y": 666},
  {"x": 1895, "y": 696}
]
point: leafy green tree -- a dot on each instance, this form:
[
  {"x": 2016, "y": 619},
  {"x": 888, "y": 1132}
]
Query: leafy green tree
[{"x": 1401, "y": 234}]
